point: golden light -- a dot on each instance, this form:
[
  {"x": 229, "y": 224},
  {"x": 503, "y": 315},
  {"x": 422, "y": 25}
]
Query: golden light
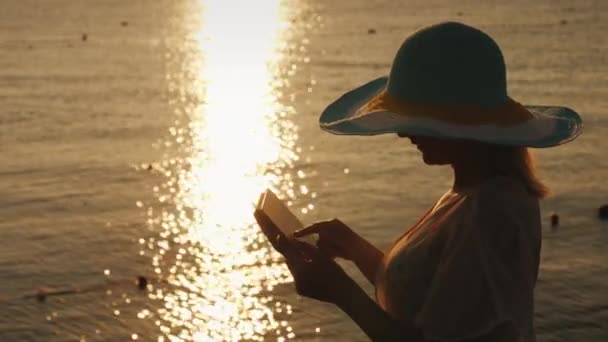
[{"x": 213, "y": 257}]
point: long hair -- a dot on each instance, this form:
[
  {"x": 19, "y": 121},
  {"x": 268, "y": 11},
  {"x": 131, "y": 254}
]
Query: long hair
[{"x": 517, "y": 162}]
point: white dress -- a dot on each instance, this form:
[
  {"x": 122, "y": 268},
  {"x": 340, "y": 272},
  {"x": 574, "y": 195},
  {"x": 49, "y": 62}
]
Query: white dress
[{"x": 468, "y": 265}]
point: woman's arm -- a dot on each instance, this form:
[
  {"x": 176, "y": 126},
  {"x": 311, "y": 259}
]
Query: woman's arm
[
  {"x": 379, "y": 326},
  {"x": 374, "y": 321},
  {"x": 319, "y": 277},
  {"x": 368, "y": 260},
  {"x": 505, "y": 332}
]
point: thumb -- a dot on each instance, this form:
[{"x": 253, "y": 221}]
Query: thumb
[{"x": 288, "y": 250}]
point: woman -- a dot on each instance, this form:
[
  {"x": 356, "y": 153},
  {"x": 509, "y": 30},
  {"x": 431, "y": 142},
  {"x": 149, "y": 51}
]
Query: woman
[{"x": 467, "y": 270}]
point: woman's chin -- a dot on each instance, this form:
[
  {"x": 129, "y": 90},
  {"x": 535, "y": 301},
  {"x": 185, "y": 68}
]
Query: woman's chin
[{"x": 433, "y": 161}]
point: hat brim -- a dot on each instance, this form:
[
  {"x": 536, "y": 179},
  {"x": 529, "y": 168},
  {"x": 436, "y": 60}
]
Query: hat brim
[{"x": 547, "y": 126}]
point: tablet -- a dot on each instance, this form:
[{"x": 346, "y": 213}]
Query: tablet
[{"x": 280, "y": 215}]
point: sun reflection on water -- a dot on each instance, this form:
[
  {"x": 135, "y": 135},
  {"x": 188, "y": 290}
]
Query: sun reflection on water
[{"x": 217, "y": 268}]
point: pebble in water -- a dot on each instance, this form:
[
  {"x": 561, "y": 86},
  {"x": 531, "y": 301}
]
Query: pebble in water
[
  {"x": 554, "y": 220},
  {"x": 41, "y": 294},
  {"x": 602, "y": 212},
  {"x": 142, "y": 282}
]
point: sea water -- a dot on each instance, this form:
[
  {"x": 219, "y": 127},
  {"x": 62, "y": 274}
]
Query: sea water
[{"x": 135, "y": 137}]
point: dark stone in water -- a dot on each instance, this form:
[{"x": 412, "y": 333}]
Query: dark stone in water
[
  {"x": 554, "y": 220},
  {"x": 41, "y": 295},
  {"x": 142, "y": 282},
  {"x": 602, "y": 212}
]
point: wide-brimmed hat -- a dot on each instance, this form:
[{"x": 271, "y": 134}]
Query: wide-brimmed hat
[{"x": 449, "y": 81}]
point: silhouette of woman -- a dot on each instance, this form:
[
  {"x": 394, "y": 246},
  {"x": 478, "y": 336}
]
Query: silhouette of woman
[{"x": 466, "y": 270}]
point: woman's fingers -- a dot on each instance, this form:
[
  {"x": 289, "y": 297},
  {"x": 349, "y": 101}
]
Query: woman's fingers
[
  {"x": 305, "y": 247},
  {"x": 268, "y": 227},
  {"x": 298, "y": 254},
  {"x": 287, "y": 249},
  {"x": 328, "y": 249},
  {"x": 318, "y": 227},
  {"x": 275, "y": 236},
  {"x": 334, "y": 228},
  {"x": 306, "y": 250},
  {"x": 312, "y": 229}
]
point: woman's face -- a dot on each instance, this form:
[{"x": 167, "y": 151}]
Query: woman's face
[{"x": 437, "y": 151}]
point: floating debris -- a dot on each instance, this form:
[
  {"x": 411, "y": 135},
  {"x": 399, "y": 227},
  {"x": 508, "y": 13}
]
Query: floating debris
[
  {"x": 554, "y": 220},
  {"x": 41, "y": 294},
  {"x": 602, "y": 212},
  {"x": 142, "y": 282}
]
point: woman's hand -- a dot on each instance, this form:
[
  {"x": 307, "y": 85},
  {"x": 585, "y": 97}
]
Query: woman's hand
[
  {"x": 318, "y": 276},
  {"x": 336, "y": 239},
  {"x": 315, "y": 275}
]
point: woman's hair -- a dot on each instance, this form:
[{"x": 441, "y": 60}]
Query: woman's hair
[{"x": 517, "y": 162}]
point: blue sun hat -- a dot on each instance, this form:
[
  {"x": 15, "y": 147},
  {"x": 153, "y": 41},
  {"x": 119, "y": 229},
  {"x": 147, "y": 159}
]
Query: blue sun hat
[{"x": 449, "y": 81}]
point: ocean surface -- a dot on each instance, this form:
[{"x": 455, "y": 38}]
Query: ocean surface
[{"x": 135, "y": 137}]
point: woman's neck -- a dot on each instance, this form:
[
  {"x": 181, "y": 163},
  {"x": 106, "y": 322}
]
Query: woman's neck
[{"x": 468, "y": 175}]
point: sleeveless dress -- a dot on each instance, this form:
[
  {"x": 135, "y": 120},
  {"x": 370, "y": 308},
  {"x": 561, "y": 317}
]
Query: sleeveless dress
[{"x": 468, "y": 265}]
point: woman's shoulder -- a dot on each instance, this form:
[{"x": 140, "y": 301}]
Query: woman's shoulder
[
  {"x": 503, "y": 210},
  {"x": 505, "y": 198},
  {"x": 503, "y": 188}
]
